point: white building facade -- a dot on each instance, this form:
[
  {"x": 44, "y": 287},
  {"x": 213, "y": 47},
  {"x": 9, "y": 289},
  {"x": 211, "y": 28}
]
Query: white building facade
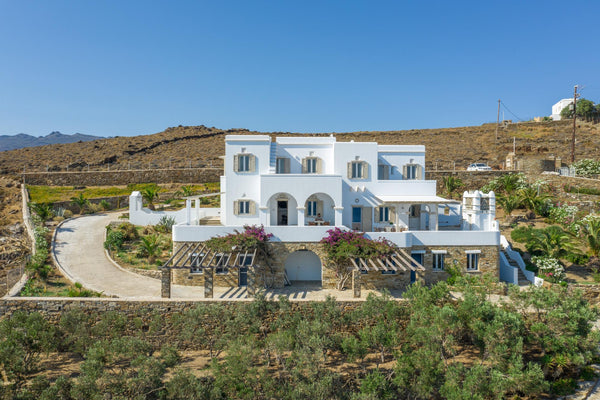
[
  {"x": 558, "y": 107},
  {"x": 300, "y": 187}
]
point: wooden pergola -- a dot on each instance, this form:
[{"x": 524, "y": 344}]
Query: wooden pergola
[
  {"x": 200, "y": 259},
  {"x": 398, "y": 261}
]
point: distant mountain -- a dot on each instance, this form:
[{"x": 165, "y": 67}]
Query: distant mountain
[{"x": 8, "y": 142}]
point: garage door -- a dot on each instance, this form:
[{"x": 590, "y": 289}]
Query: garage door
[{"x": 303, "y": 266}]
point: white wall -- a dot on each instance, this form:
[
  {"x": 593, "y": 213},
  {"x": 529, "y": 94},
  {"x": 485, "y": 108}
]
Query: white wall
[{"x": 245, "y": 185}]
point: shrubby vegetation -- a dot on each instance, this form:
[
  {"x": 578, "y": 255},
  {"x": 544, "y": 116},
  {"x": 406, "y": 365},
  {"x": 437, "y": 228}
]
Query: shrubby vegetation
[
  {"x": 587, "y": 167},
  {"x": 145, "y": 247},
  {"x": 428, "y": 346}
]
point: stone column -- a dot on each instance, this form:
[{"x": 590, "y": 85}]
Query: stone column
[
  {"x": 301, "y": 215},
  {"x": 197, "y": 209},
  {"x": 251, "y": 288},
  {"x": 356, "y": 283},
  {"x": 165, "y": 283},
  {"x": 208, "y": 282},
  {"x": 338, "y": 215}
]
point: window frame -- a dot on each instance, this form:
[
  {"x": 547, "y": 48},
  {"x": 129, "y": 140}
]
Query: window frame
[
  {"x": 282, "y": 165},
  {"x": 243, "y": 163},
  {"x": 384, "y": 214},
  {"x": 311, "y": 165},
  {"x": 473, "y": 257},
  {"x": 243, "y": 207},
  {"x": 438, "y": 258},
  {"x": 311, "y": 208},
  {"x": 411, "y": 172}
]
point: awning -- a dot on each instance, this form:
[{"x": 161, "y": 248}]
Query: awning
[
  {"x": 197, "y": 257},
  {"x": 413, "y": 199},
  {"x": 398, "y": 261}
]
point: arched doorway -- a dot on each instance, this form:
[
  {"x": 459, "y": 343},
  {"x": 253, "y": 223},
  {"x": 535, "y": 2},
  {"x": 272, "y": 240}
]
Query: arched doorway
[
  {"x": 283, "y": 209},
  {"x": 303, "y": 266}
]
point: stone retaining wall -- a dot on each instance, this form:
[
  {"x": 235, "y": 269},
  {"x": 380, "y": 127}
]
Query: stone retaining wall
[
  {"x": 123, "y": 177},
  {"x": 139, "y": 314},
  {"x": 590, "y": 292},
  {"x": 472, "y": 180}
]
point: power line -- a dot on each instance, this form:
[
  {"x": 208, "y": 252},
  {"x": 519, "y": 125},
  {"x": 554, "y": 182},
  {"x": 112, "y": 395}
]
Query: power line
[{"x": 513, "y": 114}]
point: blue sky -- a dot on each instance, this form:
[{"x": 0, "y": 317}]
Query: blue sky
[{"x": 137, "y": 67}]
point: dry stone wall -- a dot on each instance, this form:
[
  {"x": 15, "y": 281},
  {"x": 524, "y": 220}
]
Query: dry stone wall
[
  {"x": 123, "y": 177},
  {"x": 140, "y": 314}
]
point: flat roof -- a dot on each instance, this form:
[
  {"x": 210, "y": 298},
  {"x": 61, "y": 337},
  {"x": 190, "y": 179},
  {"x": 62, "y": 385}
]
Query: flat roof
[
  {"x": 413, "y": 199},
  {"x": 247, "y": 138},
  {"x": 401, "y": 148},
  {"x": 305, "y": 140}
]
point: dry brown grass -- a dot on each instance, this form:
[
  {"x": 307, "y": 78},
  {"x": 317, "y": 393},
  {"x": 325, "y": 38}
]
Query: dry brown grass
[{"x": 201, "y": 146}]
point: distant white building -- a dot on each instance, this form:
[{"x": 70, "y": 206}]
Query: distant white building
[{"x": 558, "y": 107}]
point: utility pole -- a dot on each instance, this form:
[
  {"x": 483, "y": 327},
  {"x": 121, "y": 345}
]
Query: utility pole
[
  {"x": 575, "y": 95},
  {"x": 498, "y": 121}
]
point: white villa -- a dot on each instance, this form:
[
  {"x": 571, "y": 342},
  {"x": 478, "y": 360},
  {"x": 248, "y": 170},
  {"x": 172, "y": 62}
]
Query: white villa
[
  {"x": 558, "y": 107},
  {"x": 300, "y": 187}
]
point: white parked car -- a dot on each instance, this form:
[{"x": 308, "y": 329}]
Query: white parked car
[{"x": 479, "y": 167}]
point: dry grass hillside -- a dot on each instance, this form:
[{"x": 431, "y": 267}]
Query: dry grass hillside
[{"x": 197, "y": 146}]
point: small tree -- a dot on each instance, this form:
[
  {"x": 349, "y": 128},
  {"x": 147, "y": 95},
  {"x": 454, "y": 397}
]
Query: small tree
[
  {"x": 451, "y": 184},
  {"x": 80, "y": 201},
  {"x": 590, "y": 232},
  {"x": 509, "y": 203},
  {"x": 149, "y": 194},
  {"x": 42, "y": 210},
  {"x": 150, "y": 247}
]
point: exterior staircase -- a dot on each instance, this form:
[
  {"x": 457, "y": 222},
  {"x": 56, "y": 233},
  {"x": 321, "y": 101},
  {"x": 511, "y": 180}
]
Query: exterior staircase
[
  {"x": 273, "y": 158},
  {"x": 523, "y": 281}
]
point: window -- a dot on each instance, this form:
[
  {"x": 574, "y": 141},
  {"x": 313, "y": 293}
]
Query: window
[
  {"x": 311, "y": 165},
  {"x": 472, "y": 261},
  {"x": 357, "y": 214},
  {"x": 244, "y": 162},
  {"x": 411, "y": 172},
  {"x": 245, "y": 260},
  {"x": 383, "y": 172},
  {"x": 438, "y": 261},
  {"x": 220, "y": 261},
  {"x": 244, "y": 207},
  {"x": 311, "y": 208},
  {"x": 282, "y": 166},
  {"x": 358, "y": 170},
  {"x": 195, "y": 259},
  {"x": 384, "y": 214}
]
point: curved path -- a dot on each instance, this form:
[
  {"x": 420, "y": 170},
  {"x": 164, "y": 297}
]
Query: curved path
[{"x": 79, "y": 252}]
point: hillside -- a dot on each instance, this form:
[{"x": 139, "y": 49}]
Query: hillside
[
  {"x": 8, "y": 142},
  {"x": 198, "y": 146}
]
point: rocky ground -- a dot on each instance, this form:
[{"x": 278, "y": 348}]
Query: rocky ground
[{"x": 197, "y": 146}]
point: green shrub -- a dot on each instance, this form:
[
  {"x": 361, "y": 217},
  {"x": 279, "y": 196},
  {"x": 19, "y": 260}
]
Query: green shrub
[
  {"x": 105, "y": 205},
  {"x": 165, "y": 224},
  {"x": 578, "y": 259},
  {"x": 114, "y": 240},
  {"x": 68, "y": 214}
]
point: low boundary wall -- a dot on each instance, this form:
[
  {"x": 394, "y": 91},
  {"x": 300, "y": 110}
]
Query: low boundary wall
[{"x": 123, "y": 177}]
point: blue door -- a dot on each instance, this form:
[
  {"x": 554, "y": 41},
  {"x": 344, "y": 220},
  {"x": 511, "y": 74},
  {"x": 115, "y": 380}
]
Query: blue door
[
  {"x": 418, "y": 257},
  {"x": 243, "y": 278}
]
